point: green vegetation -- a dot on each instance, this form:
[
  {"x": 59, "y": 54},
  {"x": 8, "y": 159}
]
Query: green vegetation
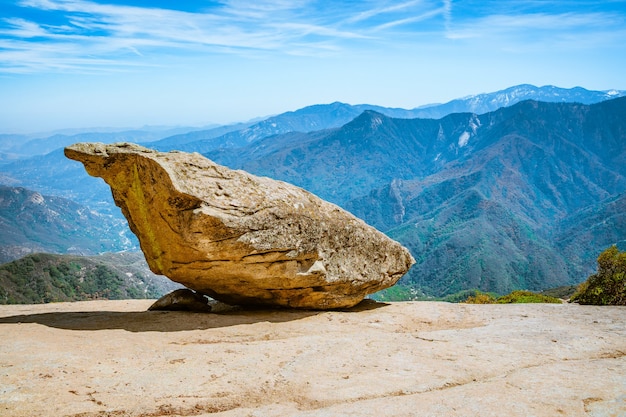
[
  {"x": 516, "y": 297},
  {"x": 462, "y": 296},
  {"x": 608, "y": 285},
  {"x": 480, "y": 298},
  {"x": 44, "y": 278},
  {"x": 525, "y": 297},
  {"x": 403, "y": 292},
  {"x": 564, "y": 292},
  {"x": 399, "y": 292}
]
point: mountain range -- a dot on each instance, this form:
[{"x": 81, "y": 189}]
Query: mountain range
[
  {"x": 495, "y": 198},
  {"x": 327, "y": 116},
  {"x": 307, "y": 119},
  {"x": 17, "y": 146}
]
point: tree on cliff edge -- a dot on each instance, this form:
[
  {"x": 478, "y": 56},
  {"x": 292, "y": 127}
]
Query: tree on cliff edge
[{"x": 608, "y": 285}]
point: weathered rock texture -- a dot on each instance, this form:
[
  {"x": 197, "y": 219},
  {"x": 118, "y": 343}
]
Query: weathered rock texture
[{"x": 239, "y": 238}]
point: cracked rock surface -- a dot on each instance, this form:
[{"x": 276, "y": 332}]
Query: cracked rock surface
[
  {"x": 239, "y": 238},
  {"x": 114, "y": 358}
]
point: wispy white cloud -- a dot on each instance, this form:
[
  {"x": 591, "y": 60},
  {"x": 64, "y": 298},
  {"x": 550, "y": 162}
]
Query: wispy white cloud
[
  {"x": 376, "y": 11},
  {"x": 21, "y": 28},
  {"x": 306, "y": 29},
  {"x": 537, "y": 27},
  {"x": 447, "y": 13},
  {"x": 412, "y": 19},
  {"x": 103, "y": 30},
  {"x": 88, "y": 35},
  {"x": 20, "y": 57}
]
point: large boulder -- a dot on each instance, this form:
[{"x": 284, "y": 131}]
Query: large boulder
[{"x": 239, "y": 238}]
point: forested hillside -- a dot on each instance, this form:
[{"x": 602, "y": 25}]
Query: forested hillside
[{"x": 44, "y": 278}]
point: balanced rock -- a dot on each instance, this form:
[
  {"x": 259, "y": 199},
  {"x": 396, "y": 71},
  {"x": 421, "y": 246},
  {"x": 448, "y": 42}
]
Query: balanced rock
[{"x": 239, "y": 238}]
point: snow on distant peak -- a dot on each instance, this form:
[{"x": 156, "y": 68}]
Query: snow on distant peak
[
  {"x": 376, "y": 121},
  {"x": 36, "y": 198},
  {"x": 612, "y": 93},
  {"x": 473, "y": 126},
  {"x": 474, "y": 123},
  {"x": 463, "y": 139}
]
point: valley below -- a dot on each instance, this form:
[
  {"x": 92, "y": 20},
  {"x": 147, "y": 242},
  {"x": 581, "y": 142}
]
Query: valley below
[{"x": 115, "y": 358}]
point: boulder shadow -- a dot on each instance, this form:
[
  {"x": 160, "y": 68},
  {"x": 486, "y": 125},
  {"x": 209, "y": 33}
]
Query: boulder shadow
[{"x": 169, "y": 321}]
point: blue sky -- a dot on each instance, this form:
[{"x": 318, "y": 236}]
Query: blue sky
[{"x": 75, "y": 63}]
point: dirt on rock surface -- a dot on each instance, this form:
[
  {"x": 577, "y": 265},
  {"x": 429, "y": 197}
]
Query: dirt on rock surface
[{"x": 114, "y": 358}]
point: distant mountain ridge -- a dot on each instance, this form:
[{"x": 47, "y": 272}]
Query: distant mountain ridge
[
  {"x": 307, "y": 119},
  {"x": 487, "y": 102},
  {"x": 15, "y": 146},
  {"x": 328, "y": 116}
]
